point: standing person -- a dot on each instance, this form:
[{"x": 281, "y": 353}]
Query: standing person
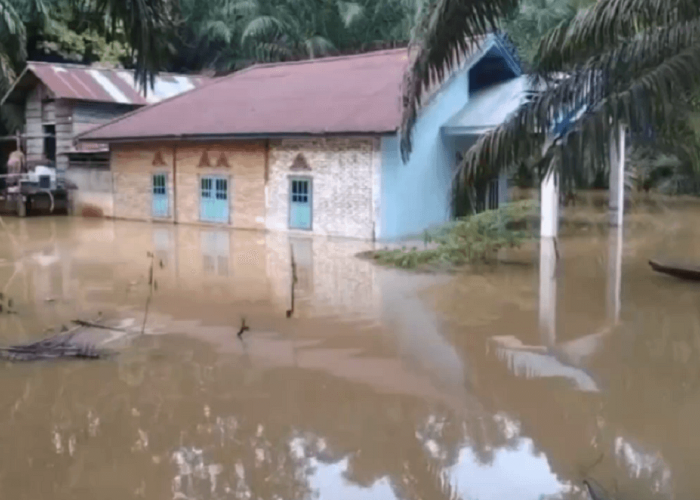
[{"x": 16, "y": 164}]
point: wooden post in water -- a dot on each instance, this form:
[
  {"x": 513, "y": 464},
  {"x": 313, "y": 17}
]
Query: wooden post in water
[
  {"x": 21, "y": 205},
  {"x": 549, "y": 227}
]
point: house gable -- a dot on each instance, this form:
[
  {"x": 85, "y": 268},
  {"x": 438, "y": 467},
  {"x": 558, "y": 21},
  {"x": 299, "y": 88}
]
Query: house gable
[{"x": 426, "y": 177}]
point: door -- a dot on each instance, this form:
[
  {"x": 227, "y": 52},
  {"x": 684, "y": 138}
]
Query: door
[
  {"x": 300, "y": 204},
  {"x": 214, "y": 199},
  {"x": 160, "y": 195}
]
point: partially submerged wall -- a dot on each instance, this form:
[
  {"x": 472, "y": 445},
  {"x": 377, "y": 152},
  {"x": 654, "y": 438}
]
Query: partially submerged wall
[
  {"x": 184, "y": 164},
  {"x": 345, "y": 174}
]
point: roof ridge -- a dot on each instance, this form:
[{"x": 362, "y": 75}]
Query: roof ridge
[
  {"x": 372, "y": 53},
  {"x": 216, "y": 81},
  {"x": 85, "y": 66}
]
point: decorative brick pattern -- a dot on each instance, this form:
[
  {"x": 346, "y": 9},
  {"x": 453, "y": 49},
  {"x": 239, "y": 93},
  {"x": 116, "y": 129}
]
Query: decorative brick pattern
[
  {"x": 132, "y": 169},
  {"x": 344, "y": 172}
]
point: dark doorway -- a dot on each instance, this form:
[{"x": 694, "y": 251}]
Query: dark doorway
[
  {"x": 50, "y": 142},
  {"x": 481, "y": 195}
]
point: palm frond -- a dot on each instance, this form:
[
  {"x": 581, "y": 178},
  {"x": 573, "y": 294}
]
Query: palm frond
[
  {"x": 218, "y": 29},
  {"x": 146, "y": 24},
  {"x": 606, "y": 23},
  {"x": 237, "y": 9},
  {"x": 640, "y": 102},
  {"x": 11, "y": 22},
  {"x": 318, "y": 45},
  {"x": 7, "y": 69},
  {"x": 263, "y": 27},
  {"x": 447, "y": 29},
  {"x": 10, "y": 18},
  {"x": 271, "y": 51},
  {"x": 351, "y": 13}
]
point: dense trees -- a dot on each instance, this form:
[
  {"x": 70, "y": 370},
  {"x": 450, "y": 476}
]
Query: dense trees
[
  {"x": 630, "y": 61},
  {"x": 191, "y": 35}
]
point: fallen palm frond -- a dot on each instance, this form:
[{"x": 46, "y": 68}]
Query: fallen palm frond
[
  {"x": 468, "y": 240},
  {"x": 90, "y": 324},
  {"x": 61, "y": 345}
]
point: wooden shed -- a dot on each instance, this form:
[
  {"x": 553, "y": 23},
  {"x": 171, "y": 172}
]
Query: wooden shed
[{"x": 61, "y": 101}]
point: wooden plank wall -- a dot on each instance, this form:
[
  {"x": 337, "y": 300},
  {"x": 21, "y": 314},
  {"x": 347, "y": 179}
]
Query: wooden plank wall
[
  {"x": 87, "y": 115},
  {"x": 33, "y": 114},
  {"x": 64, "y": 133},
  {"x": 48, "y": 112}
]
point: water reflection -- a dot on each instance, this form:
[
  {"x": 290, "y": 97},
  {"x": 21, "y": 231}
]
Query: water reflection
[{"x": 383, "y": 384}]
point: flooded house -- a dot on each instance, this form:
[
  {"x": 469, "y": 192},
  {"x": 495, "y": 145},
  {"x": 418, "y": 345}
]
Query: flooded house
[
  {"x": 310, "y": 146},
  {"x": 61, "y": 101}
]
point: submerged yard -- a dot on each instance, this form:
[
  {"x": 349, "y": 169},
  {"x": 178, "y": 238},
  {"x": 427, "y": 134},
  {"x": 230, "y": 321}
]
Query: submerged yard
[{"x": 383, "y": 384}]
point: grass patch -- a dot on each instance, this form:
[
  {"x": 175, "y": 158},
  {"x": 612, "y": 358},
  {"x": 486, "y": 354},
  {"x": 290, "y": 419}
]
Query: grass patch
[{"x": 468, "y": 240}]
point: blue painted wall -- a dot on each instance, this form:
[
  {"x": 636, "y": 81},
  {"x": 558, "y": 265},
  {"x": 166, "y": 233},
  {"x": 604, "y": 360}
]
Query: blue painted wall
[{"x": 416, "y": 195}]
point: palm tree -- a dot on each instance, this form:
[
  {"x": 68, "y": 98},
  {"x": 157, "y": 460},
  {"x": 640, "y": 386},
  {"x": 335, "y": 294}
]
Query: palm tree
[
  {"x": 285, "y": 30},
  {"x": 13, "y": 40},
  {"x": 293, "y": 29},
  {"x": 620, "y": 62},
  {"x": 534, "y": 19},
  {"x": 145, "y": 24}
]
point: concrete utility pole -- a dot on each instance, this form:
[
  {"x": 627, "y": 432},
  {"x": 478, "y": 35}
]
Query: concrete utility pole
[
  {"x": 616, "y": 209},
  {"x": 549, "y": 227}
]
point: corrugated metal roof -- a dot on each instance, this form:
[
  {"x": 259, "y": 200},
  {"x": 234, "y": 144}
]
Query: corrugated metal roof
[
  {"x": 360, "y": 93},
  {"x": 85, "y": 83}
]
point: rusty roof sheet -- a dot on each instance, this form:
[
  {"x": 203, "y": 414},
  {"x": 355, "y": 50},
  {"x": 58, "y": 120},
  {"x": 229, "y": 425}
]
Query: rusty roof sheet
[
  {"x": 85, "y": 83},
  {"x": 348, "y": 94}
]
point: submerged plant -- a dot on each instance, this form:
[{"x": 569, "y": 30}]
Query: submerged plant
[{"x": 472, "y": 239}]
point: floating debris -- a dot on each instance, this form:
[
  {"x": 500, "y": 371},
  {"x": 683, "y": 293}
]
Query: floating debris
[
  {"x": 61, "y": 345},
  {"x": 244, "y": 328}
]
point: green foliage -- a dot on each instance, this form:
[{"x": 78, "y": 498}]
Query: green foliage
[
  {"x": 68, "y": 34},
  {"x": 535, "y": 18},
  {"x": 225, "y": 35},
  {"x": 468, "y": 240},
  {"x": 631, "y": 63}
]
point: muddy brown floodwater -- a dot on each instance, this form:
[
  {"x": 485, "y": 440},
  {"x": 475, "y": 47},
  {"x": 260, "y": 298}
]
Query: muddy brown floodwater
[{"x": 383, "y": 385}]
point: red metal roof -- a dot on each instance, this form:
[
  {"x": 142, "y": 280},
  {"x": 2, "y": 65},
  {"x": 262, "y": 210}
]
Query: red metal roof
[
  {"x": 85, "y": 83},
  {"x": 350, "y": 94}
]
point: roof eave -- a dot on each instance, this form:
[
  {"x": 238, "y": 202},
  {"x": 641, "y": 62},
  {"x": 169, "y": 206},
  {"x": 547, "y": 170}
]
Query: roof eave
[
  {"x": 14, "y": 85},
  {"x": 235, "y": 137}
]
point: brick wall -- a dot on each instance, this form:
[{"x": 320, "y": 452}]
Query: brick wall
[
  {"x": 345, "y": 173},
  {"x": 345, "y": 176},
  {"x": 246, "y": 174},
  {"x": 132, "y": 168}
]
